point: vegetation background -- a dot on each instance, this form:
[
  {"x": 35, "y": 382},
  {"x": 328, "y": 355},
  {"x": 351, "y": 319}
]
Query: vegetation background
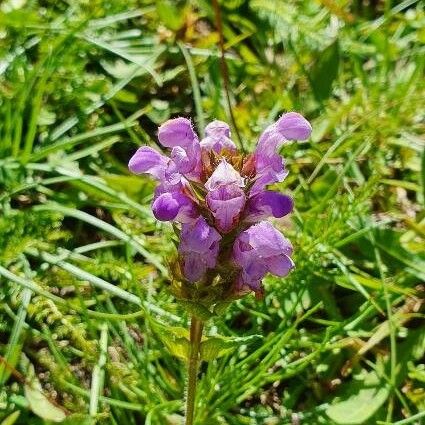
[{"x": 87, "y": 327}]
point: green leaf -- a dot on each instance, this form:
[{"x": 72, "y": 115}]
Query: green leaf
[
  {"x": 359, "y": 402},
  {"x": 175, "y": 338},
  {"x": 324, "y": 71},
  {"x": 39, "y": 403},
  {"x": 177, "y": 341},
  {"x": 197, "y": 309},
  {"x": 14, "y": 347},
  {"x": 388, "y": 240},
  {"x": 11, "y": 419},
  {"x": 218, "y": 346}
]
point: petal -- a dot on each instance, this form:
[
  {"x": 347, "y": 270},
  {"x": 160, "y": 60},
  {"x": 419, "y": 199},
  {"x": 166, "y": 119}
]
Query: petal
[
  {"x": 245, "y": 285},
  {"x": 254, "y": 272},
  {"x": 187, "y": 161},
  {"x": 224, "y": 174},
  {"x": 226, "y": 203},
  {"x": 148, "y": 160},
  {"x": 293, "y": 126},
  {"x": 251, "y": 275},
  {"x": 269, "y": 170},
  {"x": 177, "y": 132},
  {"x": 241, "y": 252},
  {"x": 217, "y": 144},
  {"x": 280, "y": 265},
  {"x": 165, "y": 207},
  {"x": 217, "y": 137},
  {"x": 290, "y": 126},
  {"x": 260, "y": 241},
  {"x": 258, "y": 250},
  {"x": 248, "y": 281},
  {"x": 269, "y": 141},
  {"x": 193, "y": 267},
  {"x": 267, "y": 241},
  {"x": 268, "y": 204},
  {"x": 217, "y": 128},
  {"x": 198, "y": 237},
  {"x": 174, "y": 206},
  {"x": 198, "y": 248}
]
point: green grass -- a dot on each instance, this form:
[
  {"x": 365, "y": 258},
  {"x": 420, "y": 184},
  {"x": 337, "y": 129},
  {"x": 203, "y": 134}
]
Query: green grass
[{"x": 86, "y": 321}]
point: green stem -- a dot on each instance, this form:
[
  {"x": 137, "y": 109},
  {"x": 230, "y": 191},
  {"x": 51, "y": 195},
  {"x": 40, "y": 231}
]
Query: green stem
[{"x": 196, "y": 327}]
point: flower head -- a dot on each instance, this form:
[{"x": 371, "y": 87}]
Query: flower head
[{"x": 220, "y": 199}]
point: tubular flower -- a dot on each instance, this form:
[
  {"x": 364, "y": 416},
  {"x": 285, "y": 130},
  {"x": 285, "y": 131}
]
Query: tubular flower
[
  {"x": 220, "y": 199},
  {"x": 258, "y": 250}
]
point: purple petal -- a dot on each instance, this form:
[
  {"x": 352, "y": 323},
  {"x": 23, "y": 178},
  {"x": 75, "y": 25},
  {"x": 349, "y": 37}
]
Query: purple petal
[
  {"x": 186, "y": 161},
  {"x": 217, "y": 128},
  {"x": 269, "y": 141},
  {"x": 293, "y": 126},
  {"x": 273, "y": 171},
  {"x": 290, "y": 126},
  {"x": 226, "y": 204},
  {"x": 193, "y": 267},
  {"x": 223, "y": 175},
  {"x": 148, "y": 160},
  {"x": 269, "y": 165},
  {"x": 258, "y": 250},
  {"x": 217, "y": 137},
  {"x": 267, "y": 241},
  {"x": 252, "y": 276},
  {"x": 199, "y": 245},
  {"x": 174, "y": 206},
  {"x": 198, "y": 237},
  {"x": 177, "y": 132},
  {"x": 217, "y": 144},
  {"x": 268, "y": 204},
  {"x": 280, "y": 265}
]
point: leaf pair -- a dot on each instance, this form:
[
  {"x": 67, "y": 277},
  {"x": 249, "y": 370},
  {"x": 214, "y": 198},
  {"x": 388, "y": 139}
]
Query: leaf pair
[{"x": 177, "y": 341}]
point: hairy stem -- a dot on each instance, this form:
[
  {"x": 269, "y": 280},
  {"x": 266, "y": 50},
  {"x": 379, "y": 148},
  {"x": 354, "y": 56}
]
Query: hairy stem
[{"x": 196, "y": 327}]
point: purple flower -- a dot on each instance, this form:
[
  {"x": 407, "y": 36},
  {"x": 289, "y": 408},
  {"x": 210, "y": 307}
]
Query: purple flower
[
  {"x": 199, "y": 245},
  {"x": 178, "y": 135},
  {"x": 259, "y": 250},
  {"x": 217, "y": 137},
  {"x": 226, "y": 203},
  {"x": 290, "y": 126},
  {"x": 269, "y": 170},
  {"x": 177, "y": 132},
  {"x": 223, "y": 175},
  {"x": 171, "y": 204},
  {"x": 148, "y": 160},
  {"x": 185, "y": 156},
  {"x": 225, "y": 197},
  {"x": 210, "y": 189},
  {"x": 269, "y": 165},
  {"x": 186, "y": 162},
  {"x": 268, "y": 204}
]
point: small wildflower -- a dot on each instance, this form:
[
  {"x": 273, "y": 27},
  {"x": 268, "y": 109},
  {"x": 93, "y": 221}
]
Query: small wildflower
[{"x": 221, "y": 200}]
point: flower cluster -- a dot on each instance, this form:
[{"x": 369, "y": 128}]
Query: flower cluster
[{"x": 221, "y": 200}]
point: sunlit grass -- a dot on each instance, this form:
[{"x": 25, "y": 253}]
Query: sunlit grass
[{"x": 83, "y": 265}]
